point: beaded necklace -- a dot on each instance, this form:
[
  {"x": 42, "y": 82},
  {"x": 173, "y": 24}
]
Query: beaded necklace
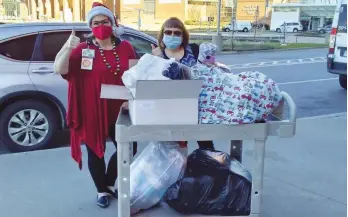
[{"x": 118, "y": 66}]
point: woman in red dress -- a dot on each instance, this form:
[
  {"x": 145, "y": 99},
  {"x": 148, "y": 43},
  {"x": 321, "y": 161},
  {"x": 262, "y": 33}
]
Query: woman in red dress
[{"x": 86, "y": 66}]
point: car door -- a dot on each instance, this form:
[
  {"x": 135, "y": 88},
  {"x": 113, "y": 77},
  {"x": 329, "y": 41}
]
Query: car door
[
  {"x": 41, "y": 69},
  {"x": 15, "y": 57},
  {"x": 289, "y": 27}
]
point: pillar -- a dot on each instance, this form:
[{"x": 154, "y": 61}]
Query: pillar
[
  {"x": 48, "y": 9},
  {"x": 322, "y": 21},
  {"x": 56, "y": 12},
  {"x": 41, "y": 9},
  {"x": 33, "y": 10},
  {"x": 23, "y": 11},
  {"x": 218, "y": 41},
  {"x": 76, "y": 10}
]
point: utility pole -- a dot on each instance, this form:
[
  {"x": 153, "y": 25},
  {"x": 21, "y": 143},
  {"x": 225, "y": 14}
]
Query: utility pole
[
  {"x": 284, "y": 31},
  {"x": 217, "y": 39},
  {"x": 219, "y": 18},
  {"x": 139, "y": 19},
  {"x": 256, "y": 21}
]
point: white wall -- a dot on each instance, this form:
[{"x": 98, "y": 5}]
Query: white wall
[{"x": 279, "y": 17}]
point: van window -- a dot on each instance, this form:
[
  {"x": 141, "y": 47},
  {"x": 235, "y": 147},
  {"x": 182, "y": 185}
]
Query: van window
[
  {"x": 342, "y": 19},
  {"x": 19, "y": 48}
]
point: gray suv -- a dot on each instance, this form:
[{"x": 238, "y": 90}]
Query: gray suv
[{"x": 33, "y": 99}]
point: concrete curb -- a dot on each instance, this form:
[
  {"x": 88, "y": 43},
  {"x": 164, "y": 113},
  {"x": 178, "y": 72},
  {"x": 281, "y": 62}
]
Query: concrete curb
[
  {"x": 268, "y": 50},
  {"x": 335, "y": 115}
]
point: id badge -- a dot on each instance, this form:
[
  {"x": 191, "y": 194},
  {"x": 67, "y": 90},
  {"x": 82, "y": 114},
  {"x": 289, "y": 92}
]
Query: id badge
[
  {"x": 86, "y": 63},
  {"x": 88, "y": 53}
]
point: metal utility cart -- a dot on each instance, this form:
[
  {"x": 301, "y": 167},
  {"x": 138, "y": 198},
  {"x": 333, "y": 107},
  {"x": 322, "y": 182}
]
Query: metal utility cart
[{"x": 127, "y": 133}]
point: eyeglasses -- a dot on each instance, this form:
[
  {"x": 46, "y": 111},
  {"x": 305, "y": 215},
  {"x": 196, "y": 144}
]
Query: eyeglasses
[
  {"x": 170, "y": 32},
  {"x": 103, "y": 22}
]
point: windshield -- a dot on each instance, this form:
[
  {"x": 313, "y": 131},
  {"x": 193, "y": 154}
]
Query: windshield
[{"x": 342, "y": 19}]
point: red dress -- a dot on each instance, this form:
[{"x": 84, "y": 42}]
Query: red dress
[{"x": 89, "y": 116}]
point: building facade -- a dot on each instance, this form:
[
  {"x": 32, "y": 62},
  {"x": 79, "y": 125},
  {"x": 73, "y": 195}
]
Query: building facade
[
  {"x": 312, "y": 14},
  {"x": 127, "y": 10}
]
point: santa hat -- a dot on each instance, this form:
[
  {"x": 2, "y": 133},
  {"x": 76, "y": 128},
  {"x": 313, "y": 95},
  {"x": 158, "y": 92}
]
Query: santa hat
[{"x": 100, "y": 9}]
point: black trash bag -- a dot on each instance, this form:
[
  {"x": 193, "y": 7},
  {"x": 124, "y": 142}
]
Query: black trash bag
[
  {"x": 174, "y": 72},
  {"x": 209, "y": 188},
  {"x": 214, "y": 163}
]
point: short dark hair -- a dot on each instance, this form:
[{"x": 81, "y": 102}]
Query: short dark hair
[{"x": 174, "y": 22}]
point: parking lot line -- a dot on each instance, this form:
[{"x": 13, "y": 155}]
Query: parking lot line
[{"x": 308, "y": 81}]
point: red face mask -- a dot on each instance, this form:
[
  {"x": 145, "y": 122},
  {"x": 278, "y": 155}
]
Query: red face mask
[{"x": 102, "y": 32}]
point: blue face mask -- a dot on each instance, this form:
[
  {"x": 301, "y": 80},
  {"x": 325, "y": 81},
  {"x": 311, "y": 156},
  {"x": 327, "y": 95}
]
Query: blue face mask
[{"x": 172, "y": 42}]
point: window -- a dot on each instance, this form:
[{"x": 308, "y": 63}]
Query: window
[
  {"x": 52, "y": 43},
  {"x": 19, "y": 48},
  {"x": 141, "y": 46},
  {"x": 149, "y": 6},
  {"x": 342, "y": 19}
]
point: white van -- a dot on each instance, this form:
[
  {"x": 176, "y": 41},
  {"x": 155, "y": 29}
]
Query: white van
[
  {"x": 239, "y": 25},
  {"x": 337, "y": 56}
]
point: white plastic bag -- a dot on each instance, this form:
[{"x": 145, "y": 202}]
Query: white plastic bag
[
  {"x": 149, "y": 67},
  {"x": 157, "y": 167}
]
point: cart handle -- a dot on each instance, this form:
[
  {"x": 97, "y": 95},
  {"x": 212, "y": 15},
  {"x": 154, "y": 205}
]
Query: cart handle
[{"x": 292, "y": 106}]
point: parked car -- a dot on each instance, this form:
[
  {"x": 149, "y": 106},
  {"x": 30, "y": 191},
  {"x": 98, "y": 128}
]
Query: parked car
[
  {"x": 290, "y": 27},
  {"x": 337, "y": 56},
  {"x": 324, "y": 29},
  {"x": 33, "y": 99},
  {"x": 239, "y": 25}
]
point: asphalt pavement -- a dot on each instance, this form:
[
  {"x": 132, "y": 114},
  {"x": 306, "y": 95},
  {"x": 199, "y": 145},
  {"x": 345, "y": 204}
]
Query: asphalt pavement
[
  {"x": 304, "y": 176},
  {"x": 300, "y": 73}
]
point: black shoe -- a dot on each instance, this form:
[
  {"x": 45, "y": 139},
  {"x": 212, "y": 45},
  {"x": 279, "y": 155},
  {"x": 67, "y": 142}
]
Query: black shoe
[
  {"x": 114, "y": 194},
  {"x": 103, "y": 201}
]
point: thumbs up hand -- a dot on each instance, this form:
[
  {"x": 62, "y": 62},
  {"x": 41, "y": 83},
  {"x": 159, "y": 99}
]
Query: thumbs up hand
[
  {"x": 156, "y": 51},
  {"x": 73, "y": 40}
]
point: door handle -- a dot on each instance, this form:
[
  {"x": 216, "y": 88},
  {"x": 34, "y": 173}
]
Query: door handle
[{"x": 42, "y": 71}]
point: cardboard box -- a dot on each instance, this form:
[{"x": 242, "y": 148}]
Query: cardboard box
[{"x": 162, "y": 102}]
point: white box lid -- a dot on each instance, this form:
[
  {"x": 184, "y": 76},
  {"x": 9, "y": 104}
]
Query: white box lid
[
  {"x": 159, "y": 89},
  {"x": 168, "y": 89}
]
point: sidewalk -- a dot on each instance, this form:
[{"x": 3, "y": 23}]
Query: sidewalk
[{"x": 305, "y": 176}]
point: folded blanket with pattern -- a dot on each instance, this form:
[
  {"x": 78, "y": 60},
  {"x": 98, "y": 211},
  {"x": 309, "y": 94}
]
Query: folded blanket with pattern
[{"x": 228, "y": 98}]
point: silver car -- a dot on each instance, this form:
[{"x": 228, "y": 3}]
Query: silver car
[
  {"x": 325, "y": 29},
  {"x": 33, "y": 99}
]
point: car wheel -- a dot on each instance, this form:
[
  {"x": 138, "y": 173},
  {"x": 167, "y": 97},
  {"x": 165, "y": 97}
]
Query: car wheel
[
  {"x": 245, "y": 30},
  {"x": 278, "y": 30},
  {"x": 322, "y": 31},
  {"x": 227, "y": 30},
  {"x": 343, "y": 81},
  {"x": 27, "y": 125},
  {"x": 295, "y": 30}
]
